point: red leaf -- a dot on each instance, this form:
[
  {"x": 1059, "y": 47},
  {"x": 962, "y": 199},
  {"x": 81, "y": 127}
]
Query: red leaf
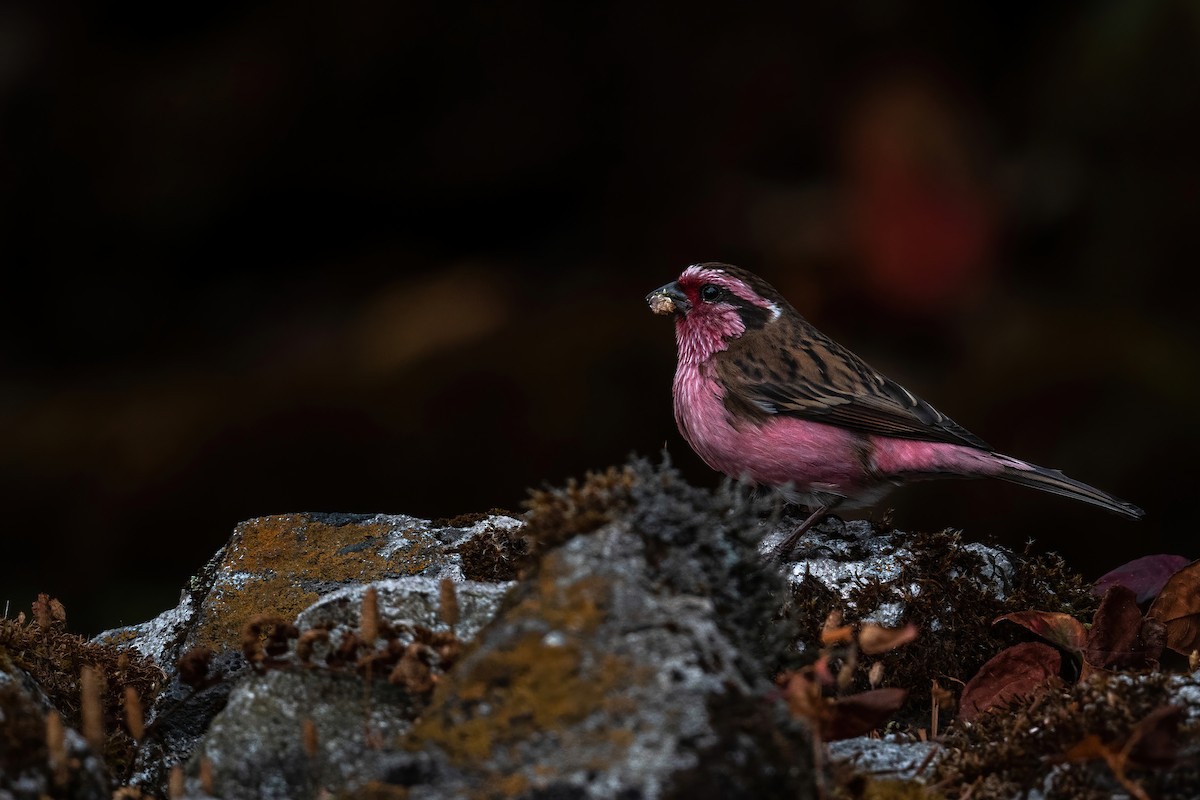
[
  {"x": 1178, "y": 608},
  {"x": 1145, "y": 576},
  {"x": 1116, "y": 638},
  {"x": 861, "y": 713},
  {"x": 1060, "y": 629},
  {"x": 1015, "y": 672}
]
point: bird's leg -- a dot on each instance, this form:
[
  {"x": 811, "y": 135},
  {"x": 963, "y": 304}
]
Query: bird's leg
[{"x": 789, "y": 544}]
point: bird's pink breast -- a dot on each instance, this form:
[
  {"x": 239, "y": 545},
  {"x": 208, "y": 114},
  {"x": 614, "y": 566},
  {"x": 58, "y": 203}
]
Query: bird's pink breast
[{"x": 811, "y": 456}]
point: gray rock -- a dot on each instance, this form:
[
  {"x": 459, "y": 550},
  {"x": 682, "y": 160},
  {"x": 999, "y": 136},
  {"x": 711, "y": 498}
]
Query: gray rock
[
  {"x": 315, "y": 567},
  {"x": 281, "y": 565},
  {"x": 26, "y": 768},
  {"x": 896, "y": 758},
  {"x": 407, "y": 601},
  {"x": 257, "y": 747},
  {"x": 633, "y": 664}
]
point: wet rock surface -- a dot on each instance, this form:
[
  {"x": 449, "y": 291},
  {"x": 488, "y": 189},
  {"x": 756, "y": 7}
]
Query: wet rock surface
[
  {"x": 310, "y": 568},
  {"x": 36, "y": 762},
  {"x": 602, "y": 679},
  {"x": 627, "y": 637},
  {"x": 288, "y": 734},
  {"x": 634, "y": 656}
]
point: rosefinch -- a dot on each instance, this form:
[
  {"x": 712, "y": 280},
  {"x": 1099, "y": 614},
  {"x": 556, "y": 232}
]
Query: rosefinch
[{"x": 760, "y": 394}]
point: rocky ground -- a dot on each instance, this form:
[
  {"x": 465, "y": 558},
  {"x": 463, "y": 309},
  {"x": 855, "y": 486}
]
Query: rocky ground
[{"x": 627, "y": 636}]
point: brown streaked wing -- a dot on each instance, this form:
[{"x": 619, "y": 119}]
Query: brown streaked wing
[{"x": 795, "y": 370}]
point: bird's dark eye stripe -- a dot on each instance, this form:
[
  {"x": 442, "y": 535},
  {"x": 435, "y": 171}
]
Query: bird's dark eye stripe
[{"x": 709, "y": 292}]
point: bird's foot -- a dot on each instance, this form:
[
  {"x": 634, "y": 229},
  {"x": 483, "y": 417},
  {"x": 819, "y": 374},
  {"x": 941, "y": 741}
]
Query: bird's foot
[{"x": 786, "y": 547}]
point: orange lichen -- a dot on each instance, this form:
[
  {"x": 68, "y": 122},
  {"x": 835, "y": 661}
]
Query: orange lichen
[
  {"x": 277, "y": 559},
  {"x": 228, "y": 612},
  {"x": 577, "y": 607},
  {"x": 526, "y": 688},
  {"x": 504, "y": 695}
]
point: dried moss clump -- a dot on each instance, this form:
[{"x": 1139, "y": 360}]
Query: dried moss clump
[
  {"x": 553, "y": 516},
  {"x": 965, "y": 607},
  {"x": 497, "y": 554},
  {"x": 55, "y": 660},
  {"x": 556, "y": 515},
  {"x": 1006, "y": 753},
  {"x": 943, "y": 592}
]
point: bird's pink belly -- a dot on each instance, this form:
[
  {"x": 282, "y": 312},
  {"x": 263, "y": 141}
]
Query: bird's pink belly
[{"x": 811, "y": 456}]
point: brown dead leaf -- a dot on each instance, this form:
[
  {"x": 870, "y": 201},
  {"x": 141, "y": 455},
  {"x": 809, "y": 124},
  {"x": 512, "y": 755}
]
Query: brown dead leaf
[
  {"x": 1155, "y": 740},
  {"x": 1151, "y": 743},
  {"x": 874, "y": 639},
  {"x": 832, "y": 636},
  {"x": 804, "y": 697},
  {"x": 1178, "y": 608},
  {"x": 1059, "y": 629},
  {"x": 1087, "y": 748},
  {"x": 834, "y": 632},
  {"x": 1092, "y": 747},
  {"x": 861, "y": 713},
  {"x": 875, "y": 674},
  {"x": 840, "y": 718},
  {"x": 1116, "y": 638},
  {"x": 1014, "y": 672}
]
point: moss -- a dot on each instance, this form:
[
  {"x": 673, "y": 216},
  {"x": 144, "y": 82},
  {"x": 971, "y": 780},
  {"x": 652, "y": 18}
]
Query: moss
[
  {"x": 1007, "y": 752},
  {"x": 705, "y": 544},
  {"x": 522, "y": 690},
  {"x": 809, "y": 605},
  {"x": 496, "y": 554},
  {"x": 942, "y": 593},
  {"x": 556, "y": 515},
  {"x": 54, "y": 659}
]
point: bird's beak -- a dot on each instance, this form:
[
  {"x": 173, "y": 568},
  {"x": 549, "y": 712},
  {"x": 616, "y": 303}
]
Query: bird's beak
[{"x": 668, "y": 299}]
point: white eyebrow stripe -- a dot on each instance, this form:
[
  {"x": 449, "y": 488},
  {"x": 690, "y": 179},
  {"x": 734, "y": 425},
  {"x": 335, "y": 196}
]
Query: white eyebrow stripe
[{"x": 732, "y": 284}]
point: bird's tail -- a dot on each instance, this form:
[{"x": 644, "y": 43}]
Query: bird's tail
[{"x": 1053, "y": 481}]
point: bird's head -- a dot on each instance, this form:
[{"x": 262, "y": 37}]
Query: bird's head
[{"x": 714, "y": 304}]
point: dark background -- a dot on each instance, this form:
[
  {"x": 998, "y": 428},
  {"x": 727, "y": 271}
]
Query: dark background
[{"x": 265, "y": 257}]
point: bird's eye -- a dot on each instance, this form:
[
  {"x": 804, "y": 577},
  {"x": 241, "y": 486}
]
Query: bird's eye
[{"x": 709, "y": 292}]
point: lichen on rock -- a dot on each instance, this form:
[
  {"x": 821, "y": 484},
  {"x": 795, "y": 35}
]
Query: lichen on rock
[{"x": 636, "y": 659}]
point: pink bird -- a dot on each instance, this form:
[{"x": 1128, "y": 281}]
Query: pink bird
[{"x": 762, "y": 395}]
